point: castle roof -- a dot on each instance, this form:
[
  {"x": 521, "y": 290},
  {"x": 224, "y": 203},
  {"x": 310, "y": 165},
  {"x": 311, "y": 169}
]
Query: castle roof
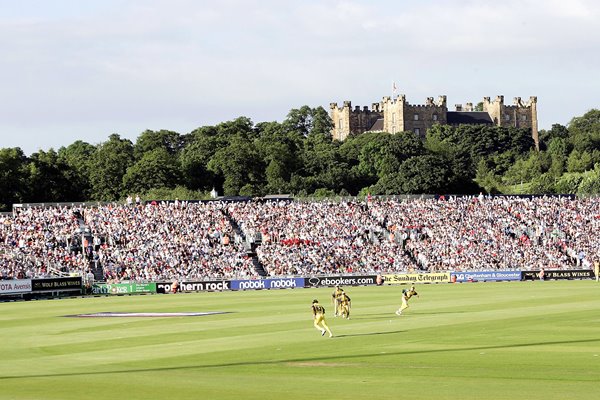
[
  {"x": 468, "y": 117},
  {"x": 377, "y": 126}
]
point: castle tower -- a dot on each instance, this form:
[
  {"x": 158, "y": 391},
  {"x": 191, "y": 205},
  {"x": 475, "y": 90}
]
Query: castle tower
[
  {"x": 393, "y": 114},
  {"x": 399, "y": 115},
  {"x": 518, "y": 115},
  {"x": 347, "y": 121},
  {"x": 341, "y": 120}
]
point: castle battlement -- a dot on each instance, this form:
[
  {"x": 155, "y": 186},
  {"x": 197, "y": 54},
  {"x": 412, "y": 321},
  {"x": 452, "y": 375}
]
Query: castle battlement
[{"x": 396, "y": 115}]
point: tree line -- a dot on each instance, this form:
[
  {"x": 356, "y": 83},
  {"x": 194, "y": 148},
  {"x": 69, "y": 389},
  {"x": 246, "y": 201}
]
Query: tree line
[{"x": 299, "y": 157}]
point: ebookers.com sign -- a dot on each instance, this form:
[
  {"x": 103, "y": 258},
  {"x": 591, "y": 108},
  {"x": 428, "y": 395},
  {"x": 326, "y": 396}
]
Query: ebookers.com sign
[
  {"x": 254, "y": 284},
  {"x": 340, "y": 281},
  {"x": 15, "y": 286},
  {"x": 202, "y": 286},
  {"x": 418, "y": 278}
]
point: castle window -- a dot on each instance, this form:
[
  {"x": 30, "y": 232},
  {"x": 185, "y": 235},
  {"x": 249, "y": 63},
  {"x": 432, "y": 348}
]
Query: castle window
[
  {"x": 507, "y": 117},
  {"x": 393, "y": 117},
  {"x": 416, "y": 117},
  {"x": 340, "y": 124},
  {"x": 523, "y": 117},
  {"x": 434, "y": 117},
  {"x": 417, "y": 131},
  {"x": 393, "y": 128}
]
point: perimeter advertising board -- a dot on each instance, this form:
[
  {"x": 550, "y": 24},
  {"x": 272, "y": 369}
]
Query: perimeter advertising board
[
  {"x": 485, "y": 276},
  {"x": 14, "y": 286},
  {"x": 558, "y": 274},
  {"x": 320, "y": 281},
  {"x": 199, "y": 286},
  {"x": 124, "y": 288},
  {"x": 437, "y": 277},
  {"x": 271, "y": 283},
  {"x": 56, "y": 284}
]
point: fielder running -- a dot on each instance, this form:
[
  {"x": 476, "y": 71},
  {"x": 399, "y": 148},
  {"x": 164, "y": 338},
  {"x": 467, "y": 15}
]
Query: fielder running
[
  {"x": 406, "y": 295},
  {"x": 319, "y": 318}
]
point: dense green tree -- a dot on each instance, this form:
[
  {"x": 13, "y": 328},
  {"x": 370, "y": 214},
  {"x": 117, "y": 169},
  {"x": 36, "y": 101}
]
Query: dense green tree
[
  {"x": 526, "y": 169},
  {"x": 108, "y": 166},
  {"x": 557, "y": 131},
  {"x": 588, "y": 123},
  {"x": 585, "y": 131},
  {"x": 321, "y": 160},
  {"x": 558, "y": 150},
  {"x": 77, "y": 156},
  {"x": 156, "y": 169},
  {"x": 195, "y": 158},
  {"x": 306, "y": 120},
  {"x": 421, "y": 174},
  {"x": 280, "y": 151},
  {"x": 543, "y": 184},
  {"x": 13, "y": 177},
  {"x": 52, "y": 180},
  {"x": 385, "y": 153},
  {"x": 579, "y": 161},
  {"x": 568, "y": 183},
  {"x": 486, "y": 178},
  {"x": 171, "y": 142},
  {"x": 239, "y": 164},
  {"x": 298, "y": 156},
  {"x": 178, "y": 192},
  {"x": 241, "y": 126},
  {"x": 590, "y": 182}
]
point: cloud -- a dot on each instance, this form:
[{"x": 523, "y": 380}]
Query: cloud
[{"x": 83, "y": 67}]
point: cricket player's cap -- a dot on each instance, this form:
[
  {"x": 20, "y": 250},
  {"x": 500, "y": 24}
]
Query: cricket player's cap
[{"x": 315, "y": 301}]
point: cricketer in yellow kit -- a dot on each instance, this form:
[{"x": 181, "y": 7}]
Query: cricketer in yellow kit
[
  {"x": 336, "y": 297},
  {"x": 319, "y": 318},
  {"x": 406, "y": 295},
  {"x": 345, "y": 305}
]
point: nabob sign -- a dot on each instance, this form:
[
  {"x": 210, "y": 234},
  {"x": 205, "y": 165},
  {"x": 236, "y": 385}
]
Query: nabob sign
[
  {"x": 200, "y": 286},
  {"x": 270, "y": 283}
]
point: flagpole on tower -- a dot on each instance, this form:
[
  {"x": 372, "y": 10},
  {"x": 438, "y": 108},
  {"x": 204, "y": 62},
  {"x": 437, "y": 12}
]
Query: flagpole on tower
[{"x": 393, "y": 90}]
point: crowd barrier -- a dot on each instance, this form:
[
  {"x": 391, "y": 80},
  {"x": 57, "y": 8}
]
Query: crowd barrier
[{"x": 68, "y": 286}]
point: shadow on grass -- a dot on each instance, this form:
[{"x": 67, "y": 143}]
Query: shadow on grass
[
  {"x": 369, "y": 334},
  {"x": 393, "y": 315},
  {"x": 295, "y": 360}
]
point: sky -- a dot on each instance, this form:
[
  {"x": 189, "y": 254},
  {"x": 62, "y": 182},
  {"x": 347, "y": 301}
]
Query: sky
[{"x": 82, "y": 70}]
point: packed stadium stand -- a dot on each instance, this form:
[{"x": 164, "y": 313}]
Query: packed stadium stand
[{"x": 248, "y": 239}]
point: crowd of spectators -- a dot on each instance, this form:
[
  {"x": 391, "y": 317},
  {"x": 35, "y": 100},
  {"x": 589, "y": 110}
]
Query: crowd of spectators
[
  {"x": 168, "y": 241},
  {"x": 318, "y": 237},
  {"x": 38, "y": 242},
  {"x": 132, "y": 242},
  {"x": 486, "y": 233},
  {"x": 185, "y": 240},
  {"x": 455, "y": 233}
]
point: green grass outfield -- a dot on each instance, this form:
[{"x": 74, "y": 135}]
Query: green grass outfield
[{"x": 519, "y": 340}]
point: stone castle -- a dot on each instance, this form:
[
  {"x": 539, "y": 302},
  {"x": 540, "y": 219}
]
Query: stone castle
[{"x": 397, "y": 115}]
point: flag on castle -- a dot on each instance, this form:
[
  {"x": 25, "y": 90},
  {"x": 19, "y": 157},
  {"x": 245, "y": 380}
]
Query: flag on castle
[{"x": 393, "y": 90}]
